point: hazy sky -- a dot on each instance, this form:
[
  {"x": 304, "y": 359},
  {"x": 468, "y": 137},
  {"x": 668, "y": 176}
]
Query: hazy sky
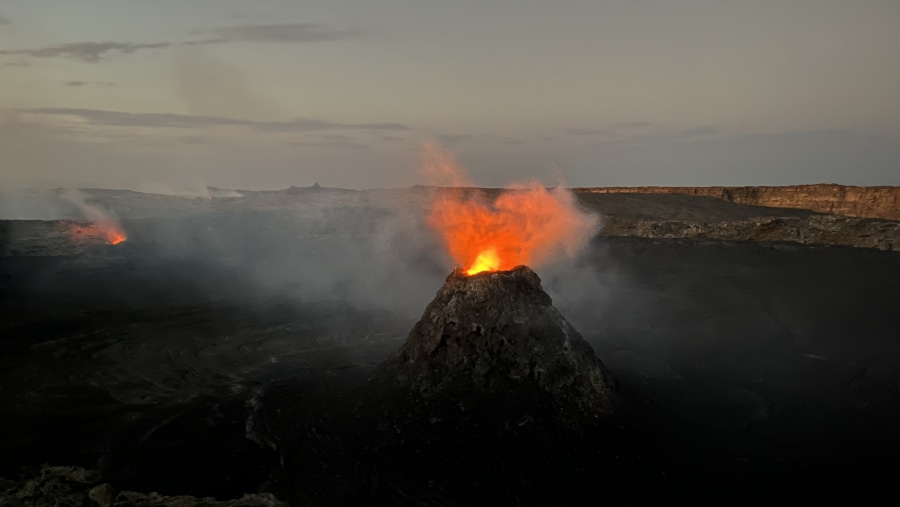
[{"x": 178, "y": 94}]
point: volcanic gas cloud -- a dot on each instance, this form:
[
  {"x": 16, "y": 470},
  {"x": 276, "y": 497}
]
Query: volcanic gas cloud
[
  {"x": 103, "y": 225},
  {"x": 525, "y": 224}
]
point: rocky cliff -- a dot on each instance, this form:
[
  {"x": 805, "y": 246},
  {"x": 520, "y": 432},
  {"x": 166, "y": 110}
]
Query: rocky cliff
[
  {"x": 870, "y": 202},
  {"x": 811, "y": 230}
]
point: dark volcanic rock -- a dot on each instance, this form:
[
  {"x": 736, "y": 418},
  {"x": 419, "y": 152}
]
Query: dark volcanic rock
[
  {"x": 493, "y": 331},
  {"x": 494, "y": 399},
  {"x": 69, "y": 486}
]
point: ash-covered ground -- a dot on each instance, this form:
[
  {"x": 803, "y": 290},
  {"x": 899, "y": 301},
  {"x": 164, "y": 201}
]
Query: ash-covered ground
[{"x": 747, "y": 370}]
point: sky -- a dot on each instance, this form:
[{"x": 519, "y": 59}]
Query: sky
[{"x": 175, "y": 95}]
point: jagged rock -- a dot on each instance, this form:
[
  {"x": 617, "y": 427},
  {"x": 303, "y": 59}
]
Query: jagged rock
[
  {"x": 68, "y": 486},
  {"x": 104, "y": 495},
  {"x": 493, "y": 331}
]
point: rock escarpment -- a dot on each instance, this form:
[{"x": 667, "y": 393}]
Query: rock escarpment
[
  {"x": 811, "y": 230},
  {"x": 870, "y": 202}
]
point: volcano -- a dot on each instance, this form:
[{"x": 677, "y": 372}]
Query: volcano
[
  {"x": 496, "y": 331},
  {"x": 493, "y": 388}
]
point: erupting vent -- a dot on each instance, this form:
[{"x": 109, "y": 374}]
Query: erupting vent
[{"x": 526, "y": 224}]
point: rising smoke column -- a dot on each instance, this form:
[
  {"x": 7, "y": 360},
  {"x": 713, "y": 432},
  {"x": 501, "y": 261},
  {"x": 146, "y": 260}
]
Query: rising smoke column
[
  {"x": 103, "y": 223},
  {"x": 526, "y": 224}
]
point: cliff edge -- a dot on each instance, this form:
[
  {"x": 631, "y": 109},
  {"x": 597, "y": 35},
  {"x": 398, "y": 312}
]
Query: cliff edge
[{"x": 868, "y": 202}]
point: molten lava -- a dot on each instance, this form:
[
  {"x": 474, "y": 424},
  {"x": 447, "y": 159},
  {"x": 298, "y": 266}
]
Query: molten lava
[
  {"x": 525, "y": 224},
  {"x": 487, "y": 260},
  {"x": 101, "y": 224},
  {"x": 105, "y": 231},
  {"x": 114, "y": 235}
]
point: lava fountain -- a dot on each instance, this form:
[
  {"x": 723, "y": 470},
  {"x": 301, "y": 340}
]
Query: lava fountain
[{"x": 526, "y": 224}]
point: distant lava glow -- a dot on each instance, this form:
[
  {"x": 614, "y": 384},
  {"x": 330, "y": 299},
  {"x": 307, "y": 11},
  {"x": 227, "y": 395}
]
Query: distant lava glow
[
  {"x": 525, "y": 223},
  {"x": 114, "y": 235},
  {"x": 101, "y": 224},
  {"x": 106, "y": 231}
]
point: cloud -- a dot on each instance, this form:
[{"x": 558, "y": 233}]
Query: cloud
[
  {"x": 278, "y": 33},
  {"x": 309, "y": 124},
  {"x": 5, "y": 21},
  {"x": 679, "y": 134},
  {"x": 633, "y": 125},
  {"x": 193, "y": 140},
  {"x": 624, "y": 135},
  {"x": 170, "y": 120},
  {"x": 454, "y": 139},
  {"x": 93, "y": 52},
  {"x": 583, "y": 131},
  {"x": 331, "y": 141},
  {"x": 331, "y": 144},
  {"x": 85, "y": 83},
  {"x": 628, "y": 125},
  {"x": 90, "y": 52}
]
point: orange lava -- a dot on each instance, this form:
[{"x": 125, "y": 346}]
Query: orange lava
[
  {"x": 487, "y": 260},
  {"x": 105, "y": 231},
  {"x": 525, "y": 224},
  {"x": 114, "y": 235}
]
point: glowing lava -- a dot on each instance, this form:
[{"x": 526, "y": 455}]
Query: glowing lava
[
  {"x": 107, "y": 232},
  {"x": 525, "y": 224},
  {"x": 487, "y": 260},
  {"x": 113, "y": 235}
]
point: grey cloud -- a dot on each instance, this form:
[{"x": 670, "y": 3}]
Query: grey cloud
[
  {"x": 331, "y": 140},
  {"x": 5, "y": 21},
  {"x": 122, "y": 119},
  {"x": 281, "y": 32},
  {"x": 86, "y": 83},
  {"x": 817, "y": 156},
  {"x": 309, "y": 124},
  {"x": 193, "y": 140},
  {"x": 683, "y": 134},
  {"x": 580, "y": 131},
  {"x": 583, "y": 131},
  {"x": 334, "y": 138},
  {"x": 90, "y": 52},
  {"x": 451, "y": 139},
  {"x": 632, "y": 125},
  {"x": 702, "y": 130},
  {"x": 169, "y": 120},
  {"x": 331, "y": 144},
  {"x": 660, "y": 135}
]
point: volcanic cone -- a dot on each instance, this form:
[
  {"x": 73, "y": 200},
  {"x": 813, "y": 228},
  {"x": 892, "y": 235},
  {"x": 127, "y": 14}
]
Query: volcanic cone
[{"x": 499, "y": 331}]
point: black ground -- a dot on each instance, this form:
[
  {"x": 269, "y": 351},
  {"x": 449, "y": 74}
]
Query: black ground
[{"x": 747, "y": 372}]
